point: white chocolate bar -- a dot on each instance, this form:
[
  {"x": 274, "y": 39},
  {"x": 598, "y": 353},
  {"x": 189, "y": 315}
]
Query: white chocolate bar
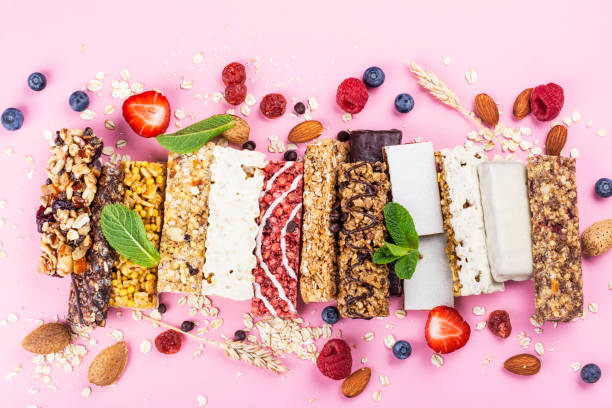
[
  {"x": 505, "y": 204},
  {"x": 233, "y": 209},
  {"x": 412, "y": 171},
  {"x": 432, "y": 282}
]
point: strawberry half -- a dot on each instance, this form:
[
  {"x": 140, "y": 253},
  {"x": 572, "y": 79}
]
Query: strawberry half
[
  {"x": 147, "y": 113},
  {"x": 445, "y": 330}
]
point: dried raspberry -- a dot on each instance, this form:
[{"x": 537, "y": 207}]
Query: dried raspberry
[
  {"x": 335, "y": 360},
  {"x": 273, "y": 105},
  {"x": 547, "y": 101},
  {"x": 352, "y": 95},
  {"x": 235, "y": 94},
  {"x": 41, "y": 218},
  {"x": 233, "y": 73},
  {"x": 499, "y": 323},
  {"x": 169, "y": 342}
]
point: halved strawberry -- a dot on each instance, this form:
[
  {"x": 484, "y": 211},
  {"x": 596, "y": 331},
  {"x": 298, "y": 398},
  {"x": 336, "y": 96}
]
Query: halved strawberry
[
  {"x": 445, "y": 330},
  {"x": 147, "y": 113}
]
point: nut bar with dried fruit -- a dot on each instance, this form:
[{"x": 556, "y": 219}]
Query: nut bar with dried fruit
[
  {"x": 555, "y": 244},
  {"x": 277, "y": 245},
  {"x": 185, "y": 222},
  {"x": 135, "y": 286},
  {"x": 90, "y": 292},
  {"x": 64, "y": 215},
  {"x": 319, "y": 267},
  {"x": 363, "y": 285}
]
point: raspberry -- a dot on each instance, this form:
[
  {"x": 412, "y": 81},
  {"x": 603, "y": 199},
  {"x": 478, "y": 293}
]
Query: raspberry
[
  {"x": 273, "y": 105},
  {"x": 499, "y": 323},
  {"x": 352, "y": 95},
  {"x": 547, "y": 101},
  {"x": 335, "y": 360},
  {"x": 235, "y": 94},
  {"x": 233, "y": 73},
  {"x": 169, "y": 342}
]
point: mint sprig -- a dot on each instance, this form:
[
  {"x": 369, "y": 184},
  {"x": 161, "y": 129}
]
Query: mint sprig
[
  {"x": 405, "y": 251},
  {"x": 192, "y": 138},
  {"x": 125, "y": 232}
]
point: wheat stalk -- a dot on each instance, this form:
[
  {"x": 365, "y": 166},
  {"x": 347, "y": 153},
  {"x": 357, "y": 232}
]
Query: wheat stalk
[{"x": 251, "y": 353}]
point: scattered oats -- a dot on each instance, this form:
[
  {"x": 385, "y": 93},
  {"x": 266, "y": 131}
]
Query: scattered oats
[
  {"x": 554, "y": 123},
  {"x": 576, "y": 116},
  {"x": 52, "y": 387},
  {"x": 364, "y": 360},
  {"x": 108, "y": 150},
  {"x": 601, "y": 132},
  {"x": 272, "y": 149},
  {"x": 369, "y": 336},
  {"x": 122, "y": 91},
  {"x": 310, "y": 400},
  {"x": 400, "y": 314},
  {"x": 32, "y": 390},
  {"x": 481, "y": 325},
  {"x": 94, "y": 85},
  {"x": 222, "y": 141},
  {"x": 610, "y": 285},
  {"x": 137, "y": 315},
  {"x": 179, "y": 114},
  {"x": 86, "y": 392},
  {"x": 575, "y": 366},
  {"x": 535, "y": 320},
  {"x": 590, "y": 123},
  {"x": 109, "y": 124},
  {"x": 292, "y": 146},
  {"x": 125, "y": 75},
  {"x": 567, "y": 121},
  {"x": 593, "y": 308},
  {"x": 93, "y": 342},
  {"x": 182, "y": 301},
  {"x": 347, "y": 117},
  {"x": 88, "y": 114},
  {"x": 524, "y": 340},
  {"x": 230, "y": 111},
  {"x": 109, "y": 109},
  {"x": 117, "y": 334},
  {"x": 313, "y": 103},
  {"x": 13, "y": 317},
  {"x": 478, "y": 310},
  {"x": 100, "y": 75},
  {"x": 525, "y": 145},
  {"x": 197, "y": 353},
  {"x": 202, "y": 400},
  {"x": 213, "y": 312},
  {"x": 145, "y": 346},
  {"x": 389, "y": 340},
  {"x": 539, "y": 348},
  {"x": 512, "y": 146},
  {"x": 389, "y": 326},
  {"x": 384, "y": 380},
  {"x": 198, "y": 96},
  {"x": 536, "y": 150},
  {"x": 121, "y": 144},
  {"x": 199, "y": 57},
  {"x": 245, "y": 110},
  {"x": 186, "y": 84},
  {"x": 249, "y": 100},
  {"x": 525, "y": 131},
  {"x": 218, "y": 97},
  {"x": 574, "y": 152},
  {"x": 48, "y": 135},
  {"x": 215, "y": 324},
  {"x": 447, "y": 60},
  {"x": 377, "y": 395},
  {"x": 137, "y": 87},
  {"x": 248, "y": 321},
  {"x": 487, "y": 360},
  {"x": 538, "y": 330},
  {"x": 436, "y": 359},
  {"x": 471, "y": 76}
]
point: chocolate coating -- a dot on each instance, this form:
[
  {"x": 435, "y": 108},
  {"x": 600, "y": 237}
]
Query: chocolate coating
[{"x": 367, "y": 145}]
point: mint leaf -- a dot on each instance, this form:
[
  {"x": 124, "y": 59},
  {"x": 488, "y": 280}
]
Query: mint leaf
[
  {"x": 383, "y": 256},
  {"x": 193, "y": 137},
  {"x": 125, "y": 232},
  {"x": 400, "y": 226},
  {"x": 397, "y": 250},
  {"x": 405, "y": 266}
]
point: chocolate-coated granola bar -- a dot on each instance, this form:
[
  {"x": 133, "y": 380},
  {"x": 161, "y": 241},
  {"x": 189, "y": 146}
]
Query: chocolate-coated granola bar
[{"x": 367, "y": 145}]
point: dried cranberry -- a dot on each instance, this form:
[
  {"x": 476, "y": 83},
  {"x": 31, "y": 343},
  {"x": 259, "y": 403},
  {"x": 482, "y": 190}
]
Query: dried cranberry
[
  {"x": 169, "y": 342},
  {"x": 233, "y": 73},
  {"x": 499, "y": 323},
  {"x": 273, "y": 105},
  {"x": 62, "y": 205},
  {"x": 235, "y": 94},
  {"x": 41, "y": 218},
  {"x": 352, "y": 95},
  {"x": 547, "y": 101},
  {"x": 187, "y": 326},
  {"x": 239, "y": 335}
]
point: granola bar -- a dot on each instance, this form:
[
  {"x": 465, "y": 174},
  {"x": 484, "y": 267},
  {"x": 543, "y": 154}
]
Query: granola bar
[
  {"x": 363, "y": 286},
  {"x": 555, "y": 239},
  {"x": 64, "y": 215},
  {"x": 367, "y": 145},
  {"x": 318, "y": 267},
  {"x": 278, "y": 240},
  {"x": 90, "y": 292},
  {"x": 185, "y": 222},
  {"x": 134, "y": 286}
]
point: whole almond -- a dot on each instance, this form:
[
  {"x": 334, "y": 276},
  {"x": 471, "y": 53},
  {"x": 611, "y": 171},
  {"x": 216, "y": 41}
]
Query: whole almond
[
  {"x": 487, "y": 110},
  {"x": 107, "y": 367},
  {"x": 306, "y": 131},
  {"x": 597, "y": 239},
  {"x": 557, "y": 136},
  {"x": 522, "y": 104},
  {"x": 47, "y": 338},
  {"x": 523, "y": 364},
  {"x": 354, "y": 384},
  {"x": 239, "y": 134}
]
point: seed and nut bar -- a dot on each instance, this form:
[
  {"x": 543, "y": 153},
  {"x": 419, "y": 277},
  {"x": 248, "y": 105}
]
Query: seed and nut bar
[
  {"x": 555, "y": 240},
  {"x": 64, "y": 215},
  {"x": 463, "y": 220},
  {"x": 318, "y": 267},
  {"x": 134, "y": 286},
  {"x": 90, "y": 292},
  {"x": 278, "y": 240},
  {"x": 232, "y": 228},
  {"x": 367, "y": 145},
  {"x": 185, "y": 222},
  {"x": 363, "y": 286}
]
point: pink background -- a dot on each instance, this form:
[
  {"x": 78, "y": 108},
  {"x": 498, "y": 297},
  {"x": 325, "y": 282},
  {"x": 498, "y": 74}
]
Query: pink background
[{"x": 306, "y": 48}]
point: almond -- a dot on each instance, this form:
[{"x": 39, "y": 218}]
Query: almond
[
  {"x": 487, "y": 110},
  {"x": 597, "y": 239},
  {"x": 239, "y": 134},
  {"x": 522, "y": 104},
  {"x": 47, "y": 338},
  {"x": 354, "y": 384},
  {"x": 306, "y": 131},
  {"x": 523, "y": 364},
  {"x": 556, "y": 140},
  {"x": 107, "y": 367}
]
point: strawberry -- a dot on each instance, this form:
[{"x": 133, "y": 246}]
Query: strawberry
[
  {"x": 335, "y": 359},
  {"x": 445, "y": 330},
  {"x": 147, "y": 113}
]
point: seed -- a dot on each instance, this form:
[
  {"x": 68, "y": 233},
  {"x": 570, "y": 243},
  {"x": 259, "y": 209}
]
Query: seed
[
  {"x": 161, "y": 308},
  {"x": 299, "y": 108},
  {"x": 239, "y": 335},
  {"x": 250, "y": 145},
  {"x": 187, "y": 326}
]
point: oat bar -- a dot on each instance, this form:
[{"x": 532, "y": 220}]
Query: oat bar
[
  {"x": 367, "y": 145},
  {"x": 555, "y": 239},
  {"x": 185, "y": 222},
  {"x": 64, "y": 215},
  {"x": 134, "y": 286},
  {"x": 363, "y": 285},
  {"x": 90, "y": 292},
  {"x": 318, "y": 267},
  {"x": 277, "y": 247}
]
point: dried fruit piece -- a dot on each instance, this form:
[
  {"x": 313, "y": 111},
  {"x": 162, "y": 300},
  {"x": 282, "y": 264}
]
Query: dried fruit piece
[
  {"x": 169, "y": 342},
  {"x": 355, "y": 383},
  {"x": 486, "y": 108},
  {"x": 305, "y": 131},
  {"x": 557, "y": 136},
  {"x": 547, "y": 101},
  {"x": 522, "y": 104},
  {"x": 523, "y": 364},
  {"x": 335, "y": 360},
  {"x": 233, "y": 73},
  {"x": 499, "y": 323},
  {"x": 47, "y": 338},
  {"x": 352, "y": 95},
  {"x": 273, "y": 105},
  {"x": 107, "y": 367},
  {"x": 235, "y": 94},
  {"x": 239, "y": 134}
]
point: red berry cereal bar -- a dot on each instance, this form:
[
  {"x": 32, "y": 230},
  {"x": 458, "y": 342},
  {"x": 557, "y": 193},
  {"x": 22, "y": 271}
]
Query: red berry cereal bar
[{"x": 277, "y": 245}]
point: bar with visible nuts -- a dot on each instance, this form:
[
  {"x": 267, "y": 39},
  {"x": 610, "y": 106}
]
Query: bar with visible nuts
[{"x": 557, "y": 268}]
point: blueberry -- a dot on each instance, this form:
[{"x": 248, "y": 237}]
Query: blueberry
[
  {"x": 590, "y": 373},
  {"x": 330, "y": 315},
  {"x": 37, "y": 81},
  {"x": 239, "y": 335},
  {"x": 373, "y": 77},
  {"x": 603, "y": 187},
  {"x": 12, "y": 119},
  {"x": 404, "y": 103},
  {"x": 402, "y": 349},
  {"x": 79, "y": 101},
  {"x": 299, "y": 108}
]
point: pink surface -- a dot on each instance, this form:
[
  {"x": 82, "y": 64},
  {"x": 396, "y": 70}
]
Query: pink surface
[{"x": 304, "y": 49}]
